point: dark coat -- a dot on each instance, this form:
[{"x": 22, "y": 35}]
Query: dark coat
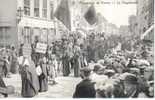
[
  {"x": 85, "y": 89},
  {"x": 43, "y": 78},
  {"x": 30, "y": 82}
]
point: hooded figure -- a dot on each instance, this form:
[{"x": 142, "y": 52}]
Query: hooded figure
[
  {"x": 43, "y": 78},
  {"x": 30, "y": 83},
  {"x": 14, "y": 62},
  {"x": 131, "y": 89},
  {"x": 85, "y": 89}
]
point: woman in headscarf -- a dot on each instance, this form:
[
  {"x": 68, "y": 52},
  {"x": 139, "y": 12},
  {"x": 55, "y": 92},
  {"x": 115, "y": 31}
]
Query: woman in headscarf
[
  {"x": 30, "y": 83},
  {"x": 14, "y": 67}
]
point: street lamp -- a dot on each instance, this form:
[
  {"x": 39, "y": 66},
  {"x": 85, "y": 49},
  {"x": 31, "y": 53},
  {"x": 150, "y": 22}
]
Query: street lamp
[
  {"x": 19, "y": 14},
  {"x": 19, "y": 17}
]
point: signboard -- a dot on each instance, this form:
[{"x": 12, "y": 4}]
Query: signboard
[{"x": 41, "y": 48}]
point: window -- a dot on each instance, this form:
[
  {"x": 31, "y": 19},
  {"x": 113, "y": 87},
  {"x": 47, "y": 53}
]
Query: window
[
  {"x": 51, "y": 10},
  {"x": 45, "y": 8},
  {"x": 27, "y": 7},
  {"x": 44, "y": 35},
  {"x": 27, "y": 35},
  {"x": 36, "y": 8}
]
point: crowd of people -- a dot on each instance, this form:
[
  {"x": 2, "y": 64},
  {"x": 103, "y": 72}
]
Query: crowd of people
[
  {"x": 104, "y": 73},
  {"x": 116, "y": 77}
]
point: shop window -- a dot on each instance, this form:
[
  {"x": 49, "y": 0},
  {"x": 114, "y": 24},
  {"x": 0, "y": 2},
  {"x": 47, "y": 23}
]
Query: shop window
[{"x": 27, "y": 35}]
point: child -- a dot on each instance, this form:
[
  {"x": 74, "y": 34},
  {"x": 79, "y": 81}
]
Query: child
[{"x": 53, "y": 65}]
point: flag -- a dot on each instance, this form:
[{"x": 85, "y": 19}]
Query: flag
[
  {"x": 90, "y": 15},
  {"x": 62, "y": 13}
]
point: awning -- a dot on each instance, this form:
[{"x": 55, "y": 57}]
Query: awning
[{"x": 147, "y": 32}]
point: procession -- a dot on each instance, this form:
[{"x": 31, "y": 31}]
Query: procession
[{"x": 86, "y": 63}]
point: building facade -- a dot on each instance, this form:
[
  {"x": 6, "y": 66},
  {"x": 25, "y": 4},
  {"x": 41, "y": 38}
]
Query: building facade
[
  {"x": 145, "y": 15},
  {"x": 24, "y": 21},
  {"x": 36, "y": 21},
  {"x": 8, "y": 24}
]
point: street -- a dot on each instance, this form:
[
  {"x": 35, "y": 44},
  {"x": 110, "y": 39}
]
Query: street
[{"x": 64, "y": 89}]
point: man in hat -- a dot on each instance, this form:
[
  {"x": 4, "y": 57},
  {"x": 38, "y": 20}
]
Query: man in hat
[
  {"x": 6, "y": 90},
  {"x": 2, "y": 85},
  {"x": 85, "y": 89},
  {"x": 131, "y": 89}
]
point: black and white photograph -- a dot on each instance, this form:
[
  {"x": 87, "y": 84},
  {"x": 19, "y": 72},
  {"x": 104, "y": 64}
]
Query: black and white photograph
[{"x": 76, "y": 49}]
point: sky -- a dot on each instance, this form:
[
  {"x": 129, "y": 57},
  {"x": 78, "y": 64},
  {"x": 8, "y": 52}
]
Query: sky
[{"x": 116, "y": 11}]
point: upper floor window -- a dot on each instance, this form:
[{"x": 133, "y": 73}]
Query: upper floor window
[
  {"x": 44, "y": 8},
  {"x": 27, "y": 7},
  {"x": 51, "y": 10},
  {"x": 36, "y": 8}
]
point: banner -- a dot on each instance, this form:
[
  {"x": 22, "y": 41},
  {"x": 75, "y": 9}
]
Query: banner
[
  {"x": 63, "y": 13},
  {"x": 90, "y": 15},
  {"x": 41, "y": 48}
]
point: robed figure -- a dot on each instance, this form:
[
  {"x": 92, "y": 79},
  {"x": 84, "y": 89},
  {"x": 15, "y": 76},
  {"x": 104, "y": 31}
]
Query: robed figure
[
  {"x": 43, "y": 78},
  {"x": 65, "y": 60},
  {"x": 76, "y": 60},
  {"x": 30, "y": 83},
  {"x": 14, "y": 62}
]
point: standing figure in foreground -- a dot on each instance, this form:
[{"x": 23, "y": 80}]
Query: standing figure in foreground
[
  {"x": 65, "y": 60},
  {"x": 85, "y": 89},
  {"x": 30, "y": 83},
  {"x": 76, "y": 60},
  {"x": 43, "y": 78}
]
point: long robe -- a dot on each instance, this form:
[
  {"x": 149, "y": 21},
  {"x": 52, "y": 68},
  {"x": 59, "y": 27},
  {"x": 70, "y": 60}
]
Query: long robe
[
  {"x": 66, "y": 66},
  {"x": 66, "y": 62},
  {"x": 43, "y": 79},
  {"x": 2, "y": 84},
  {"x": 14, "y": 64},
  {"x": 77, "y": 62},
  {"x": 30, "y": 83}
]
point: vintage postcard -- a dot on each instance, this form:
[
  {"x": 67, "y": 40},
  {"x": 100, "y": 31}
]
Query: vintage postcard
[{"x": 76, "y": 48}]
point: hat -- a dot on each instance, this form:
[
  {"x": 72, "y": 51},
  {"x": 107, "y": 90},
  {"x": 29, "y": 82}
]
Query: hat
[
  {"x": 143, "y": 62},
  {"x": 150, "y": 82},
  {"x": 131, "y": 79},
  {"x": 86, "y": 69},
  {"x": 97, "y": 67},
  {"x": 136, "y": 70},
  {"x": 124, "y": 75},
  {"x": 149, "y": 69},
  {"x": 101, "y": 62},
  {"x": 109, "y": 71}
]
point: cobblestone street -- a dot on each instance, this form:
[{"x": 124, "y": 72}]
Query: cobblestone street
[{"x": 64, "y": 88}]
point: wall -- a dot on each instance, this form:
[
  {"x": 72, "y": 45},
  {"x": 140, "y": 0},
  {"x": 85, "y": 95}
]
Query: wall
[{"x": 8, "y": 29}]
